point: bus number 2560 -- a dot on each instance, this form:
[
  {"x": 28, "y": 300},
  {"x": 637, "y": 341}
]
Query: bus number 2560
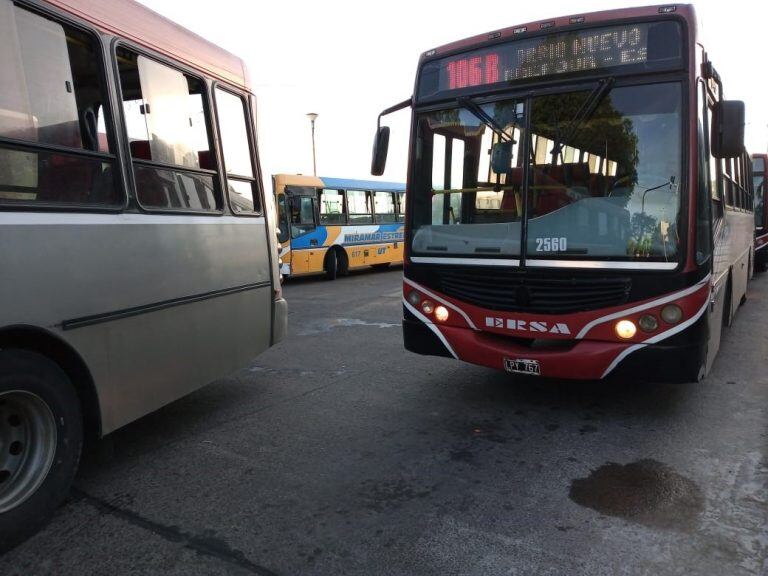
[{"x": 551, "y": 244}]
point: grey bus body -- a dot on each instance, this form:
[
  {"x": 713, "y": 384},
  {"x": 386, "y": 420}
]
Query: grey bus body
[
  {"x": 138, "y": 250},
  {"x": 155, "y": 306}
]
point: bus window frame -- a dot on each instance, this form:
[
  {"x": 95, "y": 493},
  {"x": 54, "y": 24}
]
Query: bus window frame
[
  {"x": 222, "y": 163},
  {"x": 115, "y": 156},
  {"x": 120, "y": 42}
]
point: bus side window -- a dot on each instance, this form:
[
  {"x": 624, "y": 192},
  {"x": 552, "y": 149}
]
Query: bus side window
[
  {"x": 715, "y": 166},
  {"x": 359, "y": 205},
  {"x": 302, "y": 215},
  {"x": 384, "y": 204},
  {"x": 332, "y": 207},
  {"x": 169, "y": 135},
  {"x": 51, "y": 93},
  {"x": 241, "y": 185},
  {"x": 703, "y": 193}
]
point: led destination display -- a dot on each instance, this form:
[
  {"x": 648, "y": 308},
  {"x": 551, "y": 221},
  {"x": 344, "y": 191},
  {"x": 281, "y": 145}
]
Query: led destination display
[{"x": 646, "y": 44}]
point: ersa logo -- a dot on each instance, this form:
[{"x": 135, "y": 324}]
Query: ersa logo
[{"x": 526, "y": 326}]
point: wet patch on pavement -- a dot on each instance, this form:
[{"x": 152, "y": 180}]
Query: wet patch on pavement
[{"x": 647, "y": 492}]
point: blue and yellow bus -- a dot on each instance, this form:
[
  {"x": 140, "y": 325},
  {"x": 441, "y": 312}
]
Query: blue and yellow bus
[{"x": 330, "y": 225}]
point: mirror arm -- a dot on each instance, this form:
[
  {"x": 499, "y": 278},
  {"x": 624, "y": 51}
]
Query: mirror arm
[{"x": 395, "y": 108}]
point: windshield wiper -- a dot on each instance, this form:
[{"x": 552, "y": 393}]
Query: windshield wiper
[
  {"x": 584, "y": 112},
  {"x": 484, "y": 117}
]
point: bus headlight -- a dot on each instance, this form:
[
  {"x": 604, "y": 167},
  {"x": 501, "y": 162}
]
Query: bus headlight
[
  {"x": 441, "y": 313},
  {"x": 427, "y": 307},
  {"x": 672, "y": 314},
  {"x": 648, "y": 323},
  {"x": 625, "y": 329},
  {"x": 414, "y": 298}
]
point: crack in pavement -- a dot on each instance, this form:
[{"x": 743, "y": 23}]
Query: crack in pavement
[{"x": 203, "y": 545}]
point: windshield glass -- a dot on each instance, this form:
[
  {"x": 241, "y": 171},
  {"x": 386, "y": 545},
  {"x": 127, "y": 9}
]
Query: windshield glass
[{"x": 601, "y": 184}]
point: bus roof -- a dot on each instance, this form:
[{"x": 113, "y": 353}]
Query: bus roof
[
  {"x": 146, "y": 27},
  {"x": 362, "y": 184},
  {"x": 564, "y": 22}
]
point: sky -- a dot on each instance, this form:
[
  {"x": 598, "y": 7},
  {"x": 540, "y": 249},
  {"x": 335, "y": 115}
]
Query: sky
[{"x": 348, "y": 60}]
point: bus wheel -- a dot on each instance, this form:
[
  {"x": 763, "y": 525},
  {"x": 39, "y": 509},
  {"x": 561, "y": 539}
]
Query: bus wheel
[
  {"x": 331, "y": 265},
  {"x": 41, "y": 435}
]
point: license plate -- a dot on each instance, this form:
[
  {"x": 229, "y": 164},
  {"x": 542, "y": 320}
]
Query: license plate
[{"x": 520, "y": 366}]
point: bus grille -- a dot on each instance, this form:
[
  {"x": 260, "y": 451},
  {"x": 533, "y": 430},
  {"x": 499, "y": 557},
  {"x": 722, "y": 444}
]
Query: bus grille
[{"x": 512, "y": 292}]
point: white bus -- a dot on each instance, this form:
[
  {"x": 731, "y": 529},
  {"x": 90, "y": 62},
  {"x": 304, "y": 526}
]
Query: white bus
[{"x": 138, "y": 255}]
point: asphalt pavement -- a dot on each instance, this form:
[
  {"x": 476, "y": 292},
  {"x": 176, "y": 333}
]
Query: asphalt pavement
[{"x": 337, "y": 452}]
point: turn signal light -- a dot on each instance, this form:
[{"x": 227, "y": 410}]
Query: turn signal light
[
  {"x": 427, "y": 307},
  {"x": 625, "y": 329},
  {"x": 672, "y": 314}
]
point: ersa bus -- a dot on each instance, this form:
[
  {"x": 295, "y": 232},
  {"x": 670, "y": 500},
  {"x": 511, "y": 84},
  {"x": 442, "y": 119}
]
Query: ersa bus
[
  {"x": 759, "y": 162},
  {"x": 331, "y": 225},
  {"x": 578, "y": 199},
  {"x": 137, "y": 260}
]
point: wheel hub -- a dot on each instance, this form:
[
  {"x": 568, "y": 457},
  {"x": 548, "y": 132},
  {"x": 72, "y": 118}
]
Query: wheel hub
[{"x": 27, "y": 446}]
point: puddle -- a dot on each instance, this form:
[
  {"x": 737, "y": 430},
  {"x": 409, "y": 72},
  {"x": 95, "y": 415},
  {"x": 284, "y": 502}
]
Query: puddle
[
  {"x": 647, "y": 492},
  {"x": 312, "y": 328}
]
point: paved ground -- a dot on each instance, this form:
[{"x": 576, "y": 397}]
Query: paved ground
[{"x": 339, "y": 453}]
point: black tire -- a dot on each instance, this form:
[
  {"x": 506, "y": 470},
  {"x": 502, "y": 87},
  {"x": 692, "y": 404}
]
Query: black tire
[
  {"x": 380, "y": 267},
  {"x": 28, "y": 379},
  {"x": 331, "y": 265},
  {"x": 761, "y": 264}
]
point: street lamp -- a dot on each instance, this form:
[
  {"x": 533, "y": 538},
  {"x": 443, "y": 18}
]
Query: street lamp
[{"x": 312, "y": 117}]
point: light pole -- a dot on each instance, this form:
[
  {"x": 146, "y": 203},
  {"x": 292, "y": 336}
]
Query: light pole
[{"x": 312, "y": 117}]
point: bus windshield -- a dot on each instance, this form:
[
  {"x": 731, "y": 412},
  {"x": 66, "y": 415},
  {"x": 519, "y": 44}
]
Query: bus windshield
[{"x": 603, "y": 176}]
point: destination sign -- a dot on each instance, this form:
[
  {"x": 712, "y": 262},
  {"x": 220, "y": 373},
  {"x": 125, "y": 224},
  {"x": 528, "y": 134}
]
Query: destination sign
[{"x": 641, "y": 44}]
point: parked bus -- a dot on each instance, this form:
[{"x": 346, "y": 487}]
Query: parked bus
[
  {"x": 138, "y": 261},
  {"x": 330, "y": 225},
  {"x": 759, "y": 162},
  {"x": 579, "y": 201}
]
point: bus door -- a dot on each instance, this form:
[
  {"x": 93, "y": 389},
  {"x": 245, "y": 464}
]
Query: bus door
[{"x": 302, "y": 215}]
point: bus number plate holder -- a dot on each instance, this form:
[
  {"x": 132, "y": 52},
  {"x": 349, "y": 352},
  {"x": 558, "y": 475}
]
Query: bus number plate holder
[{"x": 522, "y": 366}]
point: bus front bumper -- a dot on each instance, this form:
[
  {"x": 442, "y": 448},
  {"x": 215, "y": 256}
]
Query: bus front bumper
[{"x": 673, "y": 361}]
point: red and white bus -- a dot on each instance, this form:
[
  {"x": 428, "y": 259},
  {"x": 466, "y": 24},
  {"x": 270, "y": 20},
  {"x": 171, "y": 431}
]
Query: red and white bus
[
  {"x": 579, "y": 199},
  {"x": 759, "y": 162}
]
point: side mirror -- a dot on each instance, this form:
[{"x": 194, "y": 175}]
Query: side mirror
[
  {"x": 501, "y": 157},
  {"x": 727, "y": 138},
  {"x": 380, "y": 149}
]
